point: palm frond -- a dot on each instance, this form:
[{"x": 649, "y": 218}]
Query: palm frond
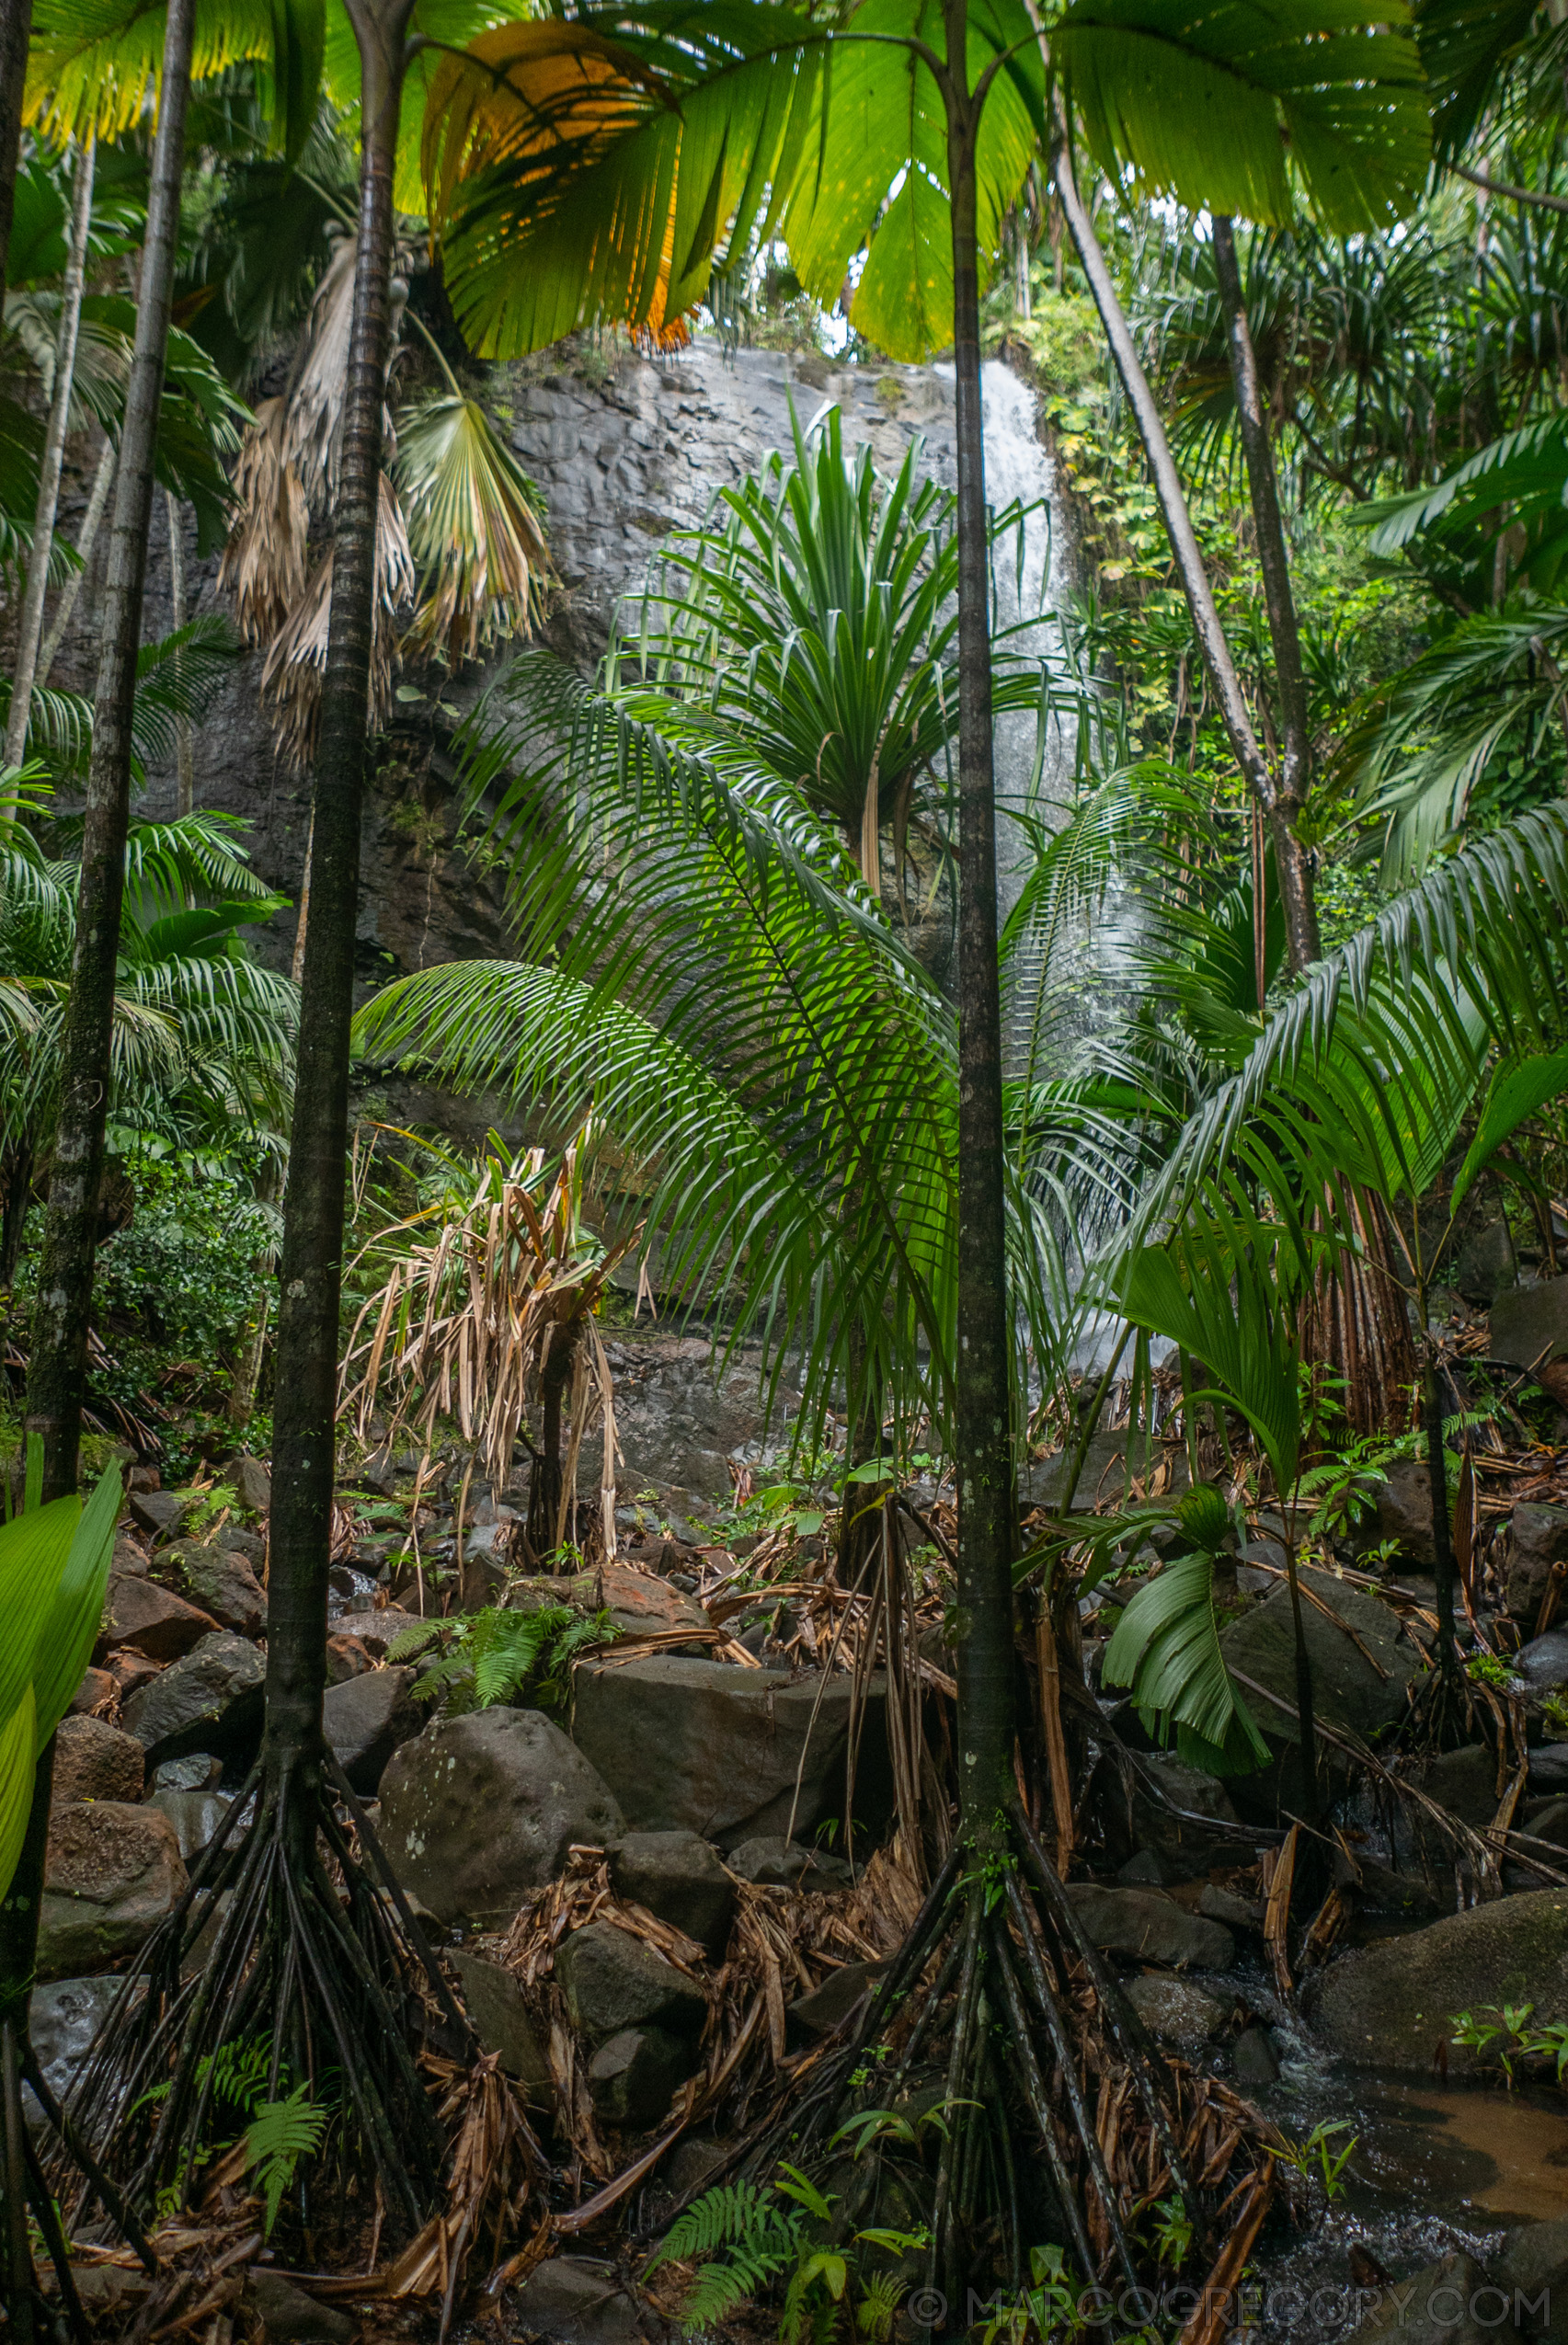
[
  {"x": 472, "y": 517},
  {"x": 296, "y": 658}
]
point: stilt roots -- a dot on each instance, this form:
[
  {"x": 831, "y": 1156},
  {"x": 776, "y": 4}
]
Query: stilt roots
[
  {"x": 1059, "y": 2122},
  {"x": 291, "y": 1967}
]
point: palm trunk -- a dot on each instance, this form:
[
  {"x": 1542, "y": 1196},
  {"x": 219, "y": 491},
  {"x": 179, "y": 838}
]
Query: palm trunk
[
  {"x": 1292, "y": 862},
  {"x": 18, "y": 1949},
  {"x": 982, "y": 1430},
  {"x": 15, "y": 31},
  {"x": 92, "y": 521},
  {"x": 185, "y": 756},
  {"x": 310, "y": 1283},
  {"x": 1218, "y": 664},
  {"x": 31, "y": 624},
  {"x": 65, "y": 1278},
  {"x": 1444, "y": 1572}
]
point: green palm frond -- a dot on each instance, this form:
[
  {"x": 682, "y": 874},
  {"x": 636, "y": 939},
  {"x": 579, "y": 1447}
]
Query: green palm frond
[
  {"x": 473, "y": 523},
  {"x": 1166, "y": 1650}
]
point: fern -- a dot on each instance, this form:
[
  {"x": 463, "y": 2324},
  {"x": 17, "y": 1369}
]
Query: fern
[
  {"x": 408, "y": 1643},
  {"x": 496, "y": 1655},
  {"x": 758, "y": 2236},
  {"x": 874, "y": 2313},
  {"x": 279, "y": 2136}
]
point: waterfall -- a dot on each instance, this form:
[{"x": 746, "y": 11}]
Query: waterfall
[{"x": 1031, "y": 776}]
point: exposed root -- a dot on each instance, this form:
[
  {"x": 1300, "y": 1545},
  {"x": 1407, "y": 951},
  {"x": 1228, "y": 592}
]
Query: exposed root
[{"x": 316, "y": 1964}]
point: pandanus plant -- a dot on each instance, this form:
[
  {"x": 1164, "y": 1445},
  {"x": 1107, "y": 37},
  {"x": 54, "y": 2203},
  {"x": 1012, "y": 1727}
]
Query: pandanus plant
[{"x": 495, "y": 1307}]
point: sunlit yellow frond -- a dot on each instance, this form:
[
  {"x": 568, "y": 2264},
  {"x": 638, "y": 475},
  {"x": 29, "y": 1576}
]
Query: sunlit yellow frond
[{"x": 95, "y": 66}]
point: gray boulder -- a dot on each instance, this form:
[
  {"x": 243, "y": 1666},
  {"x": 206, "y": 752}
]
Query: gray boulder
[
  {"x": 632, "y": 2078},
  {"x": 477, "y": 1811},
  {"x": 1177, "y": 2013},
  {"x": 1485, "y": 1264},
  {"x": 826, "y": 2006},
  {"x": 150, "y": 1619},
  {"x": 1165, "y": 1819},
  {"x": 493, "y": 1998},
  {"x": 577, "y": 2301},
  {"x": 612, "y": 1981},
  {"x": 252, "y": 1484},
  {"x": 223, "y": 1584},
  {"x": 199, "y": 1772},
  {"x": 1252, "y": 2060},
  {"x": 62, "y": 2019},
  {"x": 1450, "y": 2302},
  {"x": 1347, "y": 1690},
  {"x": 197, "y": 1817},
  {"x": 1402, "y": 1512},
  {"x": 1151, "y": 1928},
  {"x": 1528, "y": 1323},
  {"x": 678, "y": 1880},
  {"x": 288, "y": 2317},
  {"x": 211, "y": 1700},
  {"x": 1465, "y": 1782},
  {"x": 1549, "y": 1769},
  {"x": 705, "y": 1748},
  {"x": 1533, "y": 2267},
  {"x": 95, "y": 1761},
  {"x": 158, "y": 1511},
  {"x": 367, "y": 1719},
  {"x": 774, "y": 1863},
  {"x": 111, "y": 1874},
  {"x": 1537, "y": 1539},
  {"x": 1391, "y": 2006},
  {"x": 1543, "y": 1662}
]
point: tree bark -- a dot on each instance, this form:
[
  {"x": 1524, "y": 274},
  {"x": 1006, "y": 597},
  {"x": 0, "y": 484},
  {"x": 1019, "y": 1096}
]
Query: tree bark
[
  {"x": 31, "y": 627},
  {"x": 15, "y": 31},
  {"x": 65, "y": 1278},
  {"x": 310, "y": 1282},
  {"x": 1218, "y": 664},
  {"x": 92, "y": 521},
  {"x": 1293, "y": 865},
  {"x": 982, "y": 1430},
  {"x": 185, "y": 802}
]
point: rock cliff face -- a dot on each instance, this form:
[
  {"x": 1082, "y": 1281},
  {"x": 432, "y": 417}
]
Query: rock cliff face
[{"x": 622, "y": 462}]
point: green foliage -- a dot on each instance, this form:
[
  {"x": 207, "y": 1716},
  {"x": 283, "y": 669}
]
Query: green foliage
[
  {"x": 747, "y": 2240},
  {"x": 1318, "y": 2159},
  {"x": 498, "y": 1654},
  {"x": 54, "y": 1564},
  {"x": 1166, "y": 1649},
  {"x": 279, "y": 2136}
]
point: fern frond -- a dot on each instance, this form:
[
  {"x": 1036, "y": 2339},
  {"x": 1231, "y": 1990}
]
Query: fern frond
[{"x": 279, "y": 2136}]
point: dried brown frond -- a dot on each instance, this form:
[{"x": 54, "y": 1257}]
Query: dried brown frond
[
  {"x": 472, "y": 1322},
  {"x": 296, "y": 662},
  {"x": 313, "y": 440},
  {"x": 263, "y": 564}
]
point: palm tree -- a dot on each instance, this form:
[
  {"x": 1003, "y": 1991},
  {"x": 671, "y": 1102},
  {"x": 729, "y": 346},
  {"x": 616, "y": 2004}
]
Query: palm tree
[
  {"x": 60, "y": 1332},
  {"x": 609, "y": 158}
]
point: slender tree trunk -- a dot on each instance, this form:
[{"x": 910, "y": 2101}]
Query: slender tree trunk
[
  {"x": 15, "y": 31},
  {"x": 65, "y": 1278},
  {"x": 1445, "y": 1573},
  {"x": 18, "y": 1960},
  {"x": 184, "y": 753},
  {"x": 31, "y": 624},
  {"x": 1292, "y": 863},
  {"x": 982, "y": 1444},
  {"x": 310, "y": 1278},
  {"x": 1220, "y": 668},
  {"x": 92, "y": 521}
]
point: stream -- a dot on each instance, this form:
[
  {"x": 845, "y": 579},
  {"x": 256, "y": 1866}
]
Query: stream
[{"x": 1435, "y": 2167}]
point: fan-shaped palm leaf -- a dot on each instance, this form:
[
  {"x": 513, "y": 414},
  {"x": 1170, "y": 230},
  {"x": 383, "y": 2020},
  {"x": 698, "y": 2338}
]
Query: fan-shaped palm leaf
[{"x": 474, "y": 532}]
